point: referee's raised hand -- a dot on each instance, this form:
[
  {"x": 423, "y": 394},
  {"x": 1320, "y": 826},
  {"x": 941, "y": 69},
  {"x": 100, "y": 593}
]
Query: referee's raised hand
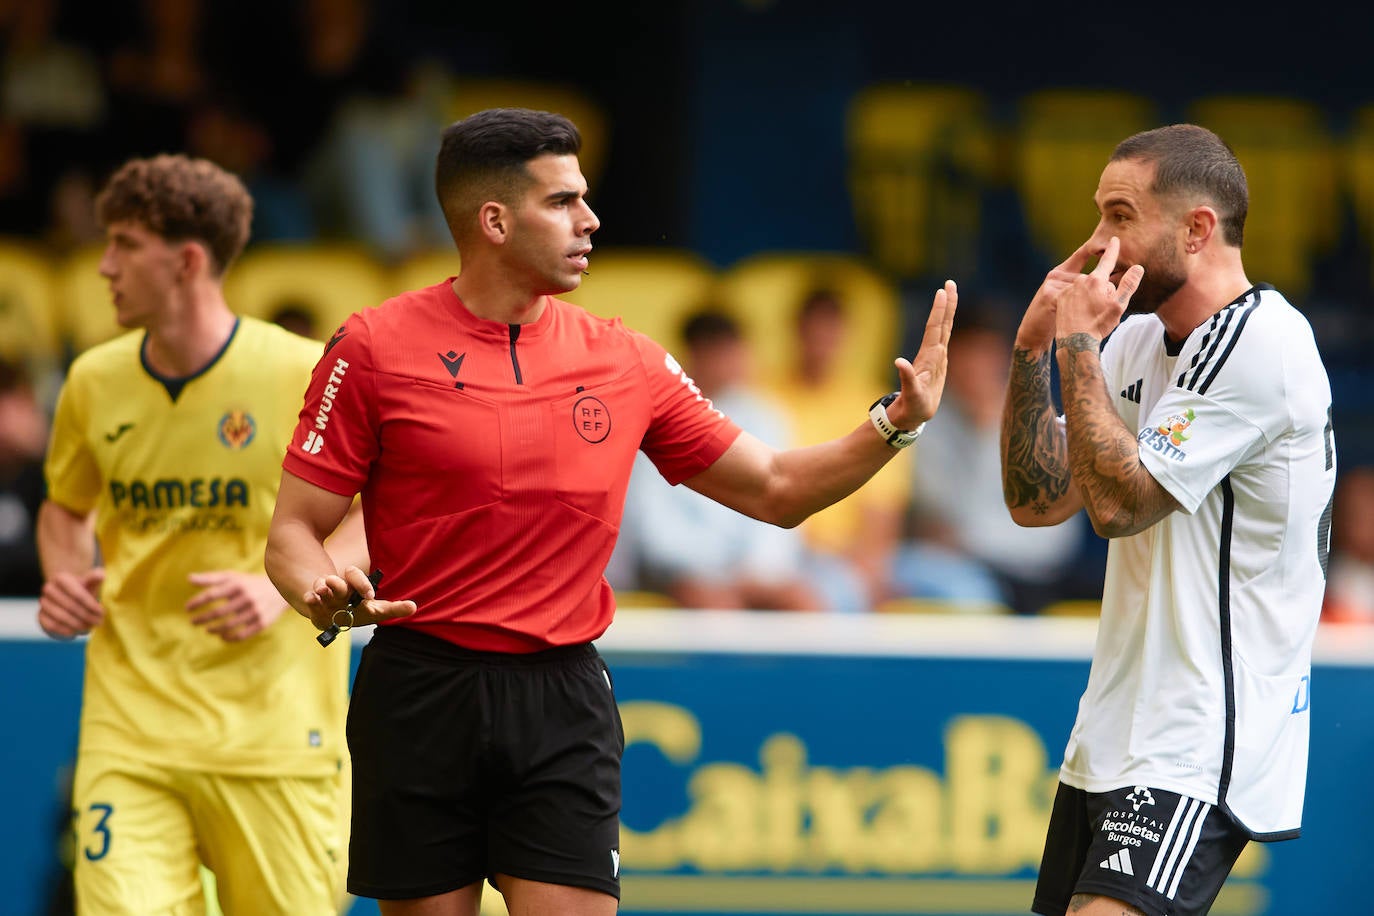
[{"x": 923, "y": 376}]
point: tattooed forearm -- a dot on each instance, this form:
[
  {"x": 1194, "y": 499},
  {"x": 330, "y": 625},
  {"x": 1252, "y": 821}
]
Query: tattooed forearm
[
  {"x": 1120, "y": 495},
  {"x": 1035, "y": 466}
]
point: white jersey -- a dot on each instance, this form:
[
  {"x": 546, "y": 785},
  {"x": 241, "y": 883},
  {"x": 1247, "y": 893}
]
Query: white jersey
[{"x": 1200, "y": 680}]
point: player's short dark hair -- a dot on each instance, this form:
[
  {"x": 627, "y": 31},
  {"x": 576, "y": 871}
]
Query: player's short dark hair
[
  {"x": 181, "y": 199},
  {"x": 709, "y": 326},
  {"x": 483, "y": 157},
  {"x": 1191, "y": 159}
]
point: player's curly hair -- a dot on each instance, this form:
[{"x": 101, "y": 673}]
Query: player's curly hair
[{"x": 181, "y": 198}]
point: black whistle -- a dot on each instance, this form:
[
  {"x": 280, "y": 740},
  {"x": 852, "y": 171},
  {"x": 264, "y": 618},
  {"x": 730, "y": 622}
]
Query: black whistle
[{"x": 331, "y": 632}]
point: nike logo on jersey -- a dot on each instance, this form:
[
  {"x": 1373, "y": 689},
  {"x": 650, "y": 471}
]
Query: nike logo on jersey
[
  {"x": 339, "y": 335},
  {"x": 453, "y": 362},
  {"x": 123, "y": 428}
]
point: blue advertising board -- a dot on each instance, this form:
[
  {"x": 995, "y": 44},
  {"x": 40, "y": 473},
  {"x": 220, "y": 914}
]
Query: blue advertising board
[{"x": 817, "y": 764}]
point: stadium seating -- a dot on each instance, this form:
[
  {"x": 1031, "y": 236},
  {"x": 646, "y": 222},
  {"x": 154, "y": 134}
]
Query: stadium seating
[
  {"x": 1356, "y": 152},
  {"x": 28, "y": 307},
  {"x": 918, "y": 159},
  {"x": 651, "y": 289},
  {"x": 764, "y": 290},
  {"x": 1072, "y": 607},
  {"x": 422, "y": 269},
  {"x": 1290, "y": 159},
  {"x": 1063, "y": 140},
  {"x": 330, "y": 281},
  {"x": 627, "y": 599},
  {"x": 938, "y": 606}
]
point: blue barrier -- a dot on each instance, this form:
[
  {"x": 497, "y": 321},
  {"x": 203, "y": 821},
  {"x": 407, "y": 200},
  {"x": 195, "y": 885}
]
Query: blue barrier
[{"x": 814, "y": 764}]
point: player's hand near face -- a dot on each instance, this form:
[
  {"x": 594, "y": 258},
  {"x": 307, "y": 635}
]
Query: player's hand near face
[
  {"x": 234, "y": 605},
  {"x": 330, "y": 594},
  {"x": 1092, "y": 304},
  {"x": 923, "y": 377},
  {"x": 1039, "y": 324},
  {"x": 69, "y": 604}
]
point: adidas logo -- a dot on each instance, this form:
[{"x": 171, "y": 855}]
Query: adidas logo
[
  {"x": 1119, "y": 861},
  {"x": 1132, "y": 392}
]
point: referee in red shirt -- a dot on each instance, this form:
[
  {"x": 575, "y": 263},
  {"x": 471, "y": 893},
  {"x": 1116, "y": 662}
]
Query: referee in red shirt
[{"x": 491, "y": 429}]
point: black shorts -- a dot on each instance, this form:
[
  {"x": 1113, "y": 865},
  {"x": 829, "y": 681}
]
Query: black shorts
[
  {"x": 468, "y": 764},
  {"x": 1159, "y": 851}
]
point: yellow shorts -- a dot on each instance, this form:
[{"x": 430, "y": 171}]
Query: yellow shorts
[{"x": 141, "y": 833}]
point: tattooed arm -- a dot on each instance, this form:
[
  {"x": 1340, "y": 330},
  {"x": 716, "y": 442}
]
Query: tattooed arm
[
  {"x": 1035, "y": 460},
  {"x": 1121, "y": 496}
]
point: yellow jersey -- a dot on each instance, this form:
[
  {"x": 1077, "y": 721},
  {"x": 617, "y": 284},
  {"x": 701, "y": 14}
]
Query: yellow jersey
[{"x": 181, "y": 484}]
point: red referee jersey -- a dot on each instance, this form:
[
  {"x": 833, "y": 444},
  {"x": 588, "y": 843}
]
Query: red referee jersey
[{"x": 493, "y": 459}]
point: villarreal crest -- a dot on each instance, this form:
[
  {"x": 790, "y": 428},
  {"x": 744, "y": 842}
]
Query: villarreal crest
[{"x": 236, "y": 429}]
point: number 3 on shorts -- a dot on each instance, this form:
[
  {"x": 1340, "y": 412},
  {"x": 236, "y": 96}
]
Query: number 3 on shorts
[{"x": 96, "y": 844}]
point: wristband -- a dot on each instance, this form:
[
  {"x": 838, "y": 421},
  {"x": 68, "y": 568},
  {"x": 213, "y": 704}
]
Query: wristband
[{"x": 897, "y": 438}]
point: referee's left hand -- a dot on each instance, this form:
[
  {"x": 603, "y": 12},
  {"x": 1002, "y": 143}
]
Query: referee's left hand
[
  {"x": 923, "y": 377},
  {"x": 330, "y": 595}
]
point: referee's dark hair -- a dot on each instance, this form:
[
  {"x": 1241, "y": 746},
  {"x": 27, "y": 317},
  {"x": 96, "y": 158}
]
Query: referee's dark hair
[{"x": 482, "y": 157}]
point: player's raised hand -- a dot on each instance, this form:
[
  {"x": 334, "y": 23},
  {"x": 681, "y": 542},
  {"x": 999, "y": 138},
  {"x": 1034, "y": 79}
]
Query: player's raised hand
[
  {"x": 69, "y": 604},
  {"x": 330, "y": 595},
  {"x": 923, "y": 377},
  {"x": 1092, "y": 303}
]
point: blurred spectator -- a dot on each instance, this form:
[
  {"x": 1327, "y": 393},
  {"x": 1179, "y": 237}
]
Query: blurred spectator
[
  {"x": 1350, "y": 571},
  {"x": 234, "y": 139},
  {"x": 23, "y": 439},
  {"x": 351, "y": 121},
  {"x": 296, "y": 317},
  {"x": 698, "y": 552},
  {"x": 963, "y": 544},
  {"x": 855, "y": 539},
  {"x": 156, "y": 78},
  {"x": 53, "y": 105}
]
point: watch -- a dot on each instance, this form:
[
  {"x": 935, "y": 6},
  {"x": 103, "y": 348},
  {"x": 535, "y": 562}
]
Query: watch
[{"x": 897, "y": 438}]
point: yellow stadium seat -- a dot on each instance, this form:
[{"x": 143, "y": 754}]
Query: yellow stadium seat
[
  {"x": 467, "y": 95},
  {"x": 637, "y": 599},
  {"x": 1073, "y": 607},
  {"x": 937, "y": 606},
  {"x": 1064, "y": 138},
  {"x": 919, "y": 157},
  {"x": 330, "y": 281},
  {"x": 86, "y": 313},
  {"x": 651, "y": 289},
  {"x": 1356, "y": 153},
  {"x": 764, "y": 290},
  {"x": 423, "y": 269},
  {"x": 28, "y": 307},
  {"x": 1290, "y": 159}
]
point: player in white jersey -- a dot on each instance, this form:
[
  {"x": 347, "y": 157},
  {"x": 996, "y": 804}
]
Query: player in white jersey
[{"x": 1198, "y": 437}]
